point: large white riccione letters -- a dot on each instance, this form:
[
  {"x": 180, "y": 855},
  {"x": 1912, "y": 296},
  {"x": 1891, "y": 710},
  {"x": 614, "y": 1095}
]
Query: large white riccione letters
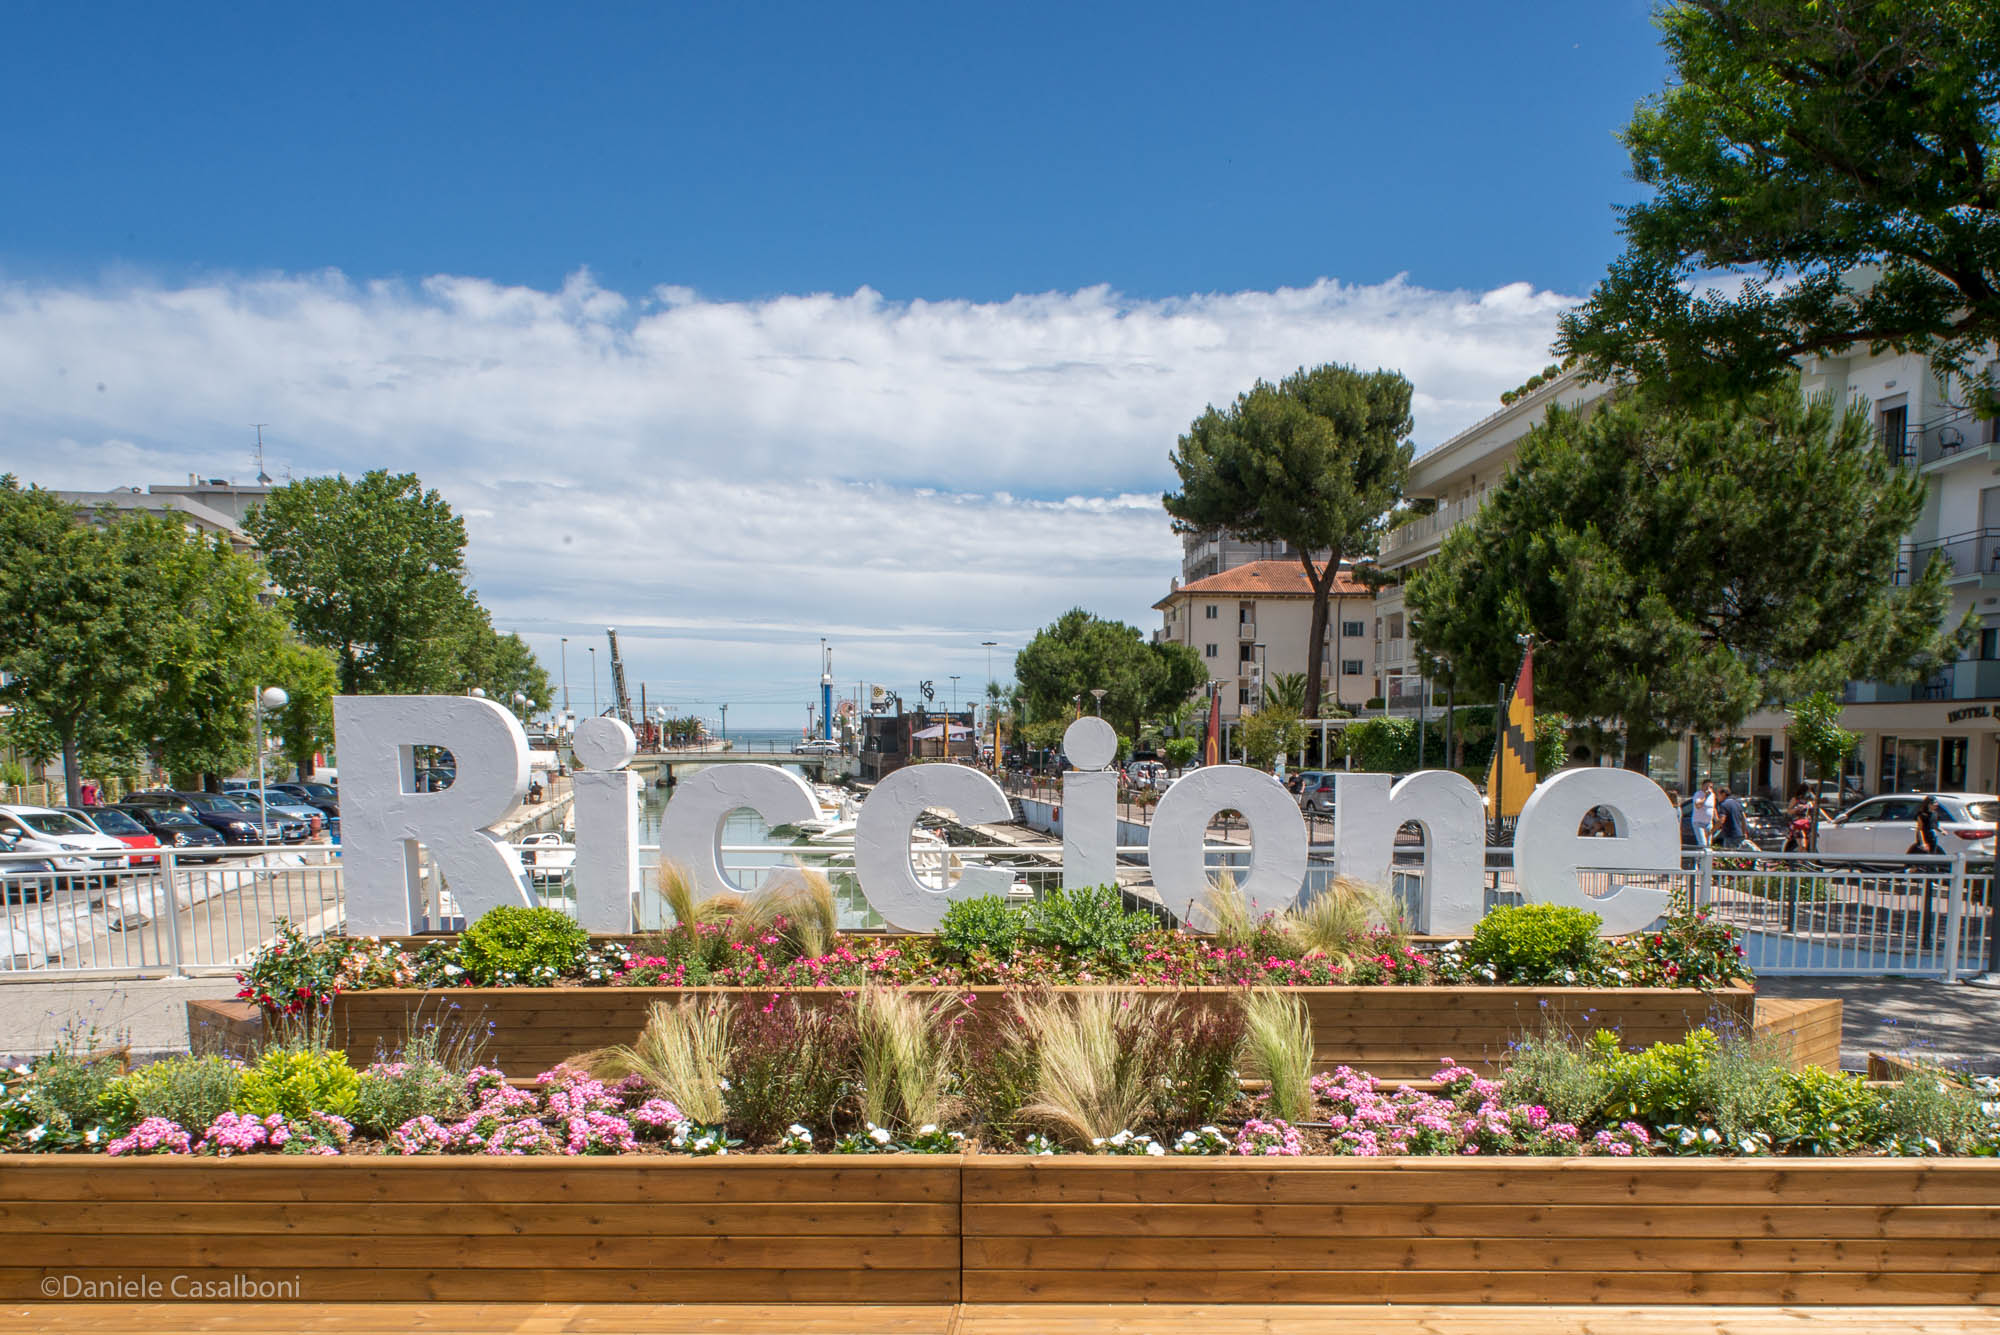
[
  {"x": 691, "y": 829},
  {"x": 1180, "y": 829},
  {"x": 1366, "y": 816},
  {"x": 606, "y": 872},
  {"x": 383, "y": 818},
  {"x": 1090, "y": 805},
  {"x": 1548, "y": 851},
  {"x": 882, "y": 842}
]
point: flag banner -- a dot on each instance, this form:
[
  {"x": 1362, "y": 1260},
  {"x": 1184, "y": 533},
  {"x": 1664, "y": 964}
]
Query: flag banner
[
  {"x": 1212, "y": 749},
  {"x": 1512, "y": 776}
]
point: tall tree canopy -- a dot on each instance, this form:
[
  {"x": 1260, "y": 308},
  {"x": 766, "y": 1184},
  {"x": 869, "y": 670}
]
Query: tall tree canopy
[
  {"x": 1842, "y": 157},
  {"x": 374, "y": 570},
  {"x": 1681, "y": 566},
  {"x": 1080, "y": 652},
  {"x": 1316, "y": 461}
]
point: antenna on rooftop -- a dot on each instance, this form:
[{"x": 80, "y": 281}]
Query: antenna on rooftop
[{"x": 263, "y": 478}]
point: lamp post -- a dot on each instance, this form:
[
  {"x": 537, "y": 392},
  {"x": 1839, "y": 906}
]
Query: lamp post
[
  {"x": 992, "y": 709},
  {"x": 725, "y": 723},
  {"x": 1098, "y": 693},
  {"x": 565, "y": 672},
  {"x": 593, "y": 681},
  {"x": 269, "y": 701}
]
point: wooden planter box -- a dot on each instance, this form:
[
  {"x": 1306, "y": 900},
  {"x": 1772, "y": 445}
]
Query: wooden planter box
[
  {"x": 1394, "y": 1032},
  {"x": 1007, "y": 1229}
]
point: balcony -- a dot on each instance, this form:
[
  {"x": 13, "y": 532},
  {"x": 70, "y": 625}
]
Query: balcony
[
  {"x": 1968, "y": 555},
  {"x": 1967, "y": 679},
  {"x": 1422, "y": 533},
  {"x": 1246, "y": 630},
  {"x": 1955, "y": 435}
]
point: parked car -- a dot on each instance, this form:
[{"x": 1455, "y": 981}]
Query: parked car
[
  {"x": 174, "y": 828},
  {"x": 1316, "y": 792},
  {"x": 286, "y": 804},
  {"x": 1888, "y": 824},
  {"x": 24, "y": 880},
  {"x": 129, "y": 832},
  {"x": 227, "y": 816},
  {"x": 73, "y": 845},
  {"x": 323, "y": 796},
  {"x": 817, "y": 746}
]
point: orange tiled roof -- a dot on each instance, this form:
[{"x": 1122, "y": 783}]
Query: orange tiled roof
[{"x": 1264, "y": 579}]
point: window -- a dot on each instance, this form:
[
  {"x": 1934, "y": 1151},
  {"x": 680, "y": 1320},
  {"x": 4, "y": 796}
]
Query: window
[
  {"x": 1355, "y": 628},
  {"x": 1209, "y": 611},
  {"x": 1350, "y": 667},
  {"x": 1245, "y": 652},
  {"x": 1208, "y": 651},
  {"x": 1952, "y": 772},
  {"x": 1910, "y": 764},
  {"x": 1989, "y": 643},
  {"x": 1243, "y": 696}
]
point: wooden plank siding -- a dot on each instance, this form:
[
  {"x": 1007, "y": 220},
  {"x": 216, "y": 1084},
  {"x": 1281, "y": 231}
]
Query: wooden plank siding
[
  {"x": 1809, "y": 1026},
  {"x": 1397, "y": 1033},
  {"x": 472, "y": 1229},
  {"x": 1455, "y": 1230},
  {"x": 1016, "y": 1230}
]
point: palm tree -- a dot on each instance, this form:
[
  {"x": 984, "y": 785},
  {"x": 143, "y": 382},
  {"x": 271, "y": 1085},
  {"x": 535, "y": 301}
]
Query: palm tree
[{"x": 1286, "y": 691}]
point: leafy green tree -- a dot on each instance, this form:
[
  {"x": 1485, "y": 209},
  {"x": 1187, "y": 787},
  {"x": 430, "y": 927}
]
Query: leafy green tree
[
  {"x": 374, "y": 571},
  {"x": 1286, "y": 691},
  {"x": 1842, "y": 158},
  {"x": 1180, "y": 752},
  {"x": 211, "y": 661},
  {"x": 1681, "y": 566},
  {"x": 305, "y": 725},
  {"x": 1080, "y": 652},
  {"x": 1268, "y": 733},
  {"x": 498, "y": 664},
  {"x": 1817, "y": 735},
  {"x": 82, "y": 622},
  {"x": 1317, "y": 460}
]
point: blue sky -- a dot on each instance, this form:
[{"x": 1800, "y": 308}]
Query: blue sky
[{"x": 877, "y": 296}]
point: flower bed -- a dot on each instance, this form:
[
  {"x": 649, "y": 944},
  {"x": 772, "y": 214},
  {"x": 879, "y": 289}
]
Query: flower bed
[{"x": 1388, "y": 1031}]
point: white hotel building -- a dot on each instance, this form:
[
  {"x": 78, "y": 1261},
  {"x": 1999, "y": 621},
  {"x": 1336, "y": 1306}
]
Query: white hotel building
[{"x": 1942, "y": 733}]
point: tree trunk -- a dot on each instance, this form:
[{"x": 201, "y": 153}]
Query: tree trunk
[
  {"x": 1322, "y": 582},
  {"x": 1638, "y": 749},
  {"x": 72, "y": 781}
]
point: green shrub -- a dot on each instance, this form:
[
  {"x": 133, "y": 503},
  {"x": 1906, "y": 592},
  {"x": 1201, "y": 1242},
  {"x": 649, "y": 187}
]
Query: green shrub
[
  {"x": 1535, "y": 943},
  {"x": 1088, "y": 923},
  {"x": 787, "y": 1064},
  {"x": 188, "y": 1091},
  {"x": 60, "y": 1103},
  {"x": 391, "y": 1093},
  {"x": 1665, "y": 1083},
  {"x": 988, "y": 923},
  {"x": 297, "y": 1082},
  {"x": 515, "y": 944},
  {"x": 1553, "y": 1070},
  {"x": 1929, "y": 1115},
  {"x": 1200, "y": 1068},
  {"x": 1825, "y": 1112}
]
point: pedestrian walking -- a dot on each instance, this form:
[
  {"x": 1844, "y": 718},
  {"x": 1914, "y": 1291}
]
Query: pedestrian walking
[
  {"x": 1927, "y": 828},
  {"x": 1731, "y": 831},
  {"x": 1703, "y": 815}
]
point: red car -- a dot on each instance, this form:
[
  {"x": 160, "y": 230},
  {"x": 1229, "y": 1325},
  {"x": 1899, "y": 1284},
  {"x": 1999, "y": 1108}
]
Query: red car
[{"x": 122, "y": 828}]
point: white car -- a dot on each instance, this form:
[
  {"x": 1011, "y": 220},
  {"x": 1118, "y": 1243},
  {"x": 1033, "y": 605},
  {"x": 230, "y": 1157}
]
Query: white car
[
  {"x": 1888, "y": 824},
  {"x": 68, "y": 842},
  {"x": 817, "y": 746}
]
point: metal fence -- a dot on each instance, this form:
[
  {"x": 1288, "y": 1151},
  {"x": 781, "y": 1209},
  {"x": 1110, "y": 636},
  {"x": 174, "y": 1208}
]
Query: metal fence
[{"x": 1797, "y": 913}]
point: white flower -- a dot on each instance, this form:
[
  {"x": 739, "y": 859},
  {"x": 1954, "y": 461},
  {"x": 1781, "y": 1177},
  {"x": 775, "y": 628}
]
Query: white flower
[
  {"x": 878, "y": 1135},
  {"x": 37, "y": 1133},
  {"x": 796, "y": 1130},
  {"x": 1154, "y": 1147},
  {"x": 928, "y": 1128}
]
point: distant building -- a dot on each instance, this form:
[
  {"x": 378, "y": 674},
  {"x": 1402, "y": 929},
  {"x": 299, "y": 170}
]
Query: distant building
[
  {"x": 211, "y": 506},
  {"x": 891, "y": 741},
  {"x": 1211, "y": 553},
  {"x": 1256, "y": 618}
]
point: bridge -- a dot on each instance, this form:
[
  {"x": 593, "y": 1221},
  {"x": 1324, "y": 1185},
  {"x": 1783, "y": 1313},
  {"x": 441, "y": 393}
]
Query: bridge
[{"x": 818, "y": 765}]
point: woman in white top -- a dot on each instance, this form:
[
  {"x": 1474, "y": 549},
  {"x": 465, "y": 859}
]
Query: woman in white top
[{"x": 1704, "y": 813}]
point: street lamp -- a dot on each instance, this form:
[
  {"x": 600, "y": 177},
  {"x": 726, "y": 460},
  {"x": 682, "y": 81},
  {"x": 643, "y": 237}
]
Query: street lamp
[
  {"x": 1098, "y": 693},
  {"x": 593, "y": 681},
  {"x": 565, "y": 672},
  {"x": 269, "y": 701}
]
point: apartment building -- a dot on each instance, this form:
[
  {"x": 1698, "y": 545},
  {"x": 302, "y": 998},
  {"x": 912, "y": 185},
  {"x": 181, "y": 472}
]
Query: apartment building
[
  {"x": 1447, "y": 485},
  {"x": 1255, "y": 619},
  {"x": 1943, "y": 733},
  {"x": 1212, "y": 552}
]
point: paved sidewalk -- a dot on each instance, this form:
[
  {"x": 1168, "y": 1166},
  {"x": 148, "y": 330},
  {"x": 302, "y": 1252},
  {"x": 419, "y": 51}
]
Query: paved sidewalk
[
  {"x": 1938, "y": 1021},
  {"x": 151, "y": 1014}
]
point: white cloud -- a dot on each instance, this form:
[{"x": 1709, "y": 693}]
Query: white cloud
[{"x": 727, "y": 481}]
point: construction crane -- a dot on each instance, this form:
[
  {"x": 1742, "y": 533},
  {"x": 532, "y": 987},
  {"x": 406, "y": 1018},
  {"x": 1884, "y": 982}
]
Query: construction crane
[{"x": 621, "y": 701}]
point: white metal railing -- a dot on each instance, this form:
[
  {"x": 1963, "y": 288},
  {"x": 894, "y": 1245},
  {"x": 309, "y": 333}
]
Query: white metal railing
[{"x": 194, "y": 914}]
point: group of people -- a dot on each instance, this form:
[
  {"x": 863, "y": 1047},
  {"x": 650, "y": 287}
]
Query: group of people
[{"x": 1714, "y": 819}]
